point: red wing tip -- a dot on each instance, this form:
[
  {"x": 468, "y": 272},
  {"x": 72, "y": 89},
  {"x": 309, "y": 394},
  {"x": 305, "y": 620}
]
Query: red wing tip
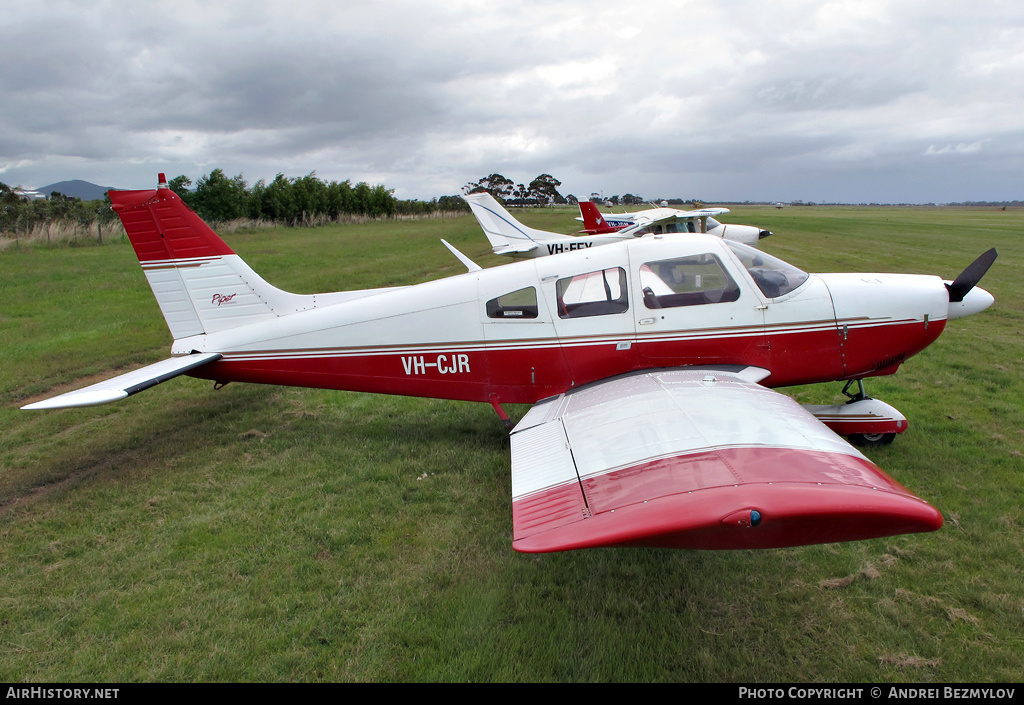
[{"x": 717, "y": 519}]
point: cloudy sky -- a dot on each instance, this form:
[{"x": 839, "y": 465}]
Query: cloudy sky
[{"x": 725, "y": 100}]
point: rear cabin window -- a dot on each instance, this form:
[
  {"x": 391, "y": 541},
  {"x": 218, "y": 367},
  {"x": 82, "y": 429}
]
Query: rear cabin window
[
  {"x": 518, "y": 304},
  {"x": 688, "y": 281},
  {"x": 682, "y": 226},
  {"x": 593, "y": 294}
]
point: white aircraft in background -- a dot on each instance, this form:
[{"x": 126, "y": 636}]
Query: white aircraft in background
[
  {"x": 698, "y": 221},
  {"x": 510, "y": 237}
]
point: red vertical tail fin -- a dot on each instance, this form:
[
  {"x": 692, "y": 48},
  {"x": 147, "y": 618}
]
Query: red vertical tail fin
[
  {"x": 162, "y": 228},
  {"x": 593, "y": 222},
  {"x": 202, "y": 286}
]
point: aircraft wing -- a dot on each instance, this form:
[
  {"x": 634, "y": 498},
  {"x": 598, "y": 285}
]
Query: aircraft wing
[
  {"x": 704, "y": 213},
  {"x": 700, "y": 458},
  {"x": 668, "y": 215},
  {"x": 127, "y": 384}
]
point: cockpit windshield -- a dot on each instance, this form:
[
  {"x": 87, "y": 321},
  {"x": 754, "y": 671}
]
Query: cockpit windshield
[{"x": 773, "y": 276}]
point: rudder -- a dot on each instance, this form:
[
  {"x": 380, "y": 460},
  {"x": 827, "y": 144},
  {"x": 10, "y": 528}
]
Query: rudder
[
  {"x": 201, "y": 285},
  {"x": 593, "y": 222},
  {"x": 506, "y": 234}
]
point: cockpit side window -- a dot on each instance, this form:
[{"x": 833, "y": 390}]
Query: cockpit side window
[
  {"x": 684, "y": 226},
  {"x": 592, "y": 294},
  {"x": 687, "y": 281},
  {"x": 773, "y": 276},
  {"x": 518, "y": 304}
]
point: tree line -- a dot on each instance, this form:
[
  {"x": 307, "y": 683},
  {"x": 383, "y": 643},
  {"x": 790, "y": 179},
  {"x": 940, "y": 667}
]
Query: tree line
[
  {"x": 298, "y": 201},
  {"x": 18, "y": 215},
  {"x": 216, "y": 197},
  {"x": 542, "y": 191}
]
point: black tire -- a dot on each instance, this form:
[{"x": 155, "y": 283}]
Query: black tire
[{"x": 871, "y": 439}]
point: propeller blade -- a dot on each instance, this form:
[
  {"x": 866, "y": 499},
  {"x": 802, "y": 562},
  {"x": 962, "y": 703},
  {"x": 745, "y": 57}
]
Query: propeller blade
[{"x": 971, "y": 276}]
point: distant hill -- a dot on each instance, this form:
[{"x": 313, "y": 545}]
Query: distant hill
[{"x": 76, "y": 189}]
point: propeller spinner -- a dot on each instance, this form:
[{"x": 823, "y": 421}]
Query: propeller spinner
[{"x": 965, "y": 297}]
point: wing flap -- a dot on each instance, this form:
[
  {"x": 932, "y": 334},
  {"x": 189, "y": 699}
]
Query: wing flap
[
  {"x": 127, "y": 384},
  {"x": 683, "y": 457},
  {"x": 544, "y": 475}
]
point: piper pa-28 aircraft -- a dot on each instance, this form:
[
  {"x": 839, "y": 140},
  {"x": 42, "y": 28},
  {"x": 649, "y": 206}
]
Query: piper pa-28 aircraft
[
  {"x": 666, "y": 220},
  {"x": 649, "y": 363},
  {"x": 510, "y": 237}
]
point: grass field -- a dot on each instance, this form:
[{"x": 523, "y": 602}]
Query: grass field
[{"x": 260, "y": 533}]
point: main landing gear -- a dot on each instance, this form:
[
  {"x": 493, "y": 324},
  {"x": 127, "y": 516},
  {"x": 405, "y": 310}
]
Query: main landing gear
[{"x": 863, "y": 420}]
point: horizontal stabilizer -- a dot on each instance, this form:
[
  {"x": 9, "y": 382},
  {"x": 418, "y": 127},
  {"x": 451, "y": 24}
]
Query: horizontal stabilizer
[
  {"x": 514, "y": 250},
  {"x": 470, "y": 264},
  {"x": 125, "y": 385}
]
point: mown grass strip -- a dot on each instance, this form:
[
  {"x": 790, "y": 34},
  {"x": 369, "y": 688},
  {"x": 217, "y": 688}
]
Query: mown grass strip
[{"x": 270, "y": 534}]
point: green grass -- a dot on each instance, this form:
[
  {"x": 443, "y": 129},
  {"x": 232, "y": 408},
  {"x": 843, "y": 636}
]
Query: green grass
[{"x": 273, "y": 534}]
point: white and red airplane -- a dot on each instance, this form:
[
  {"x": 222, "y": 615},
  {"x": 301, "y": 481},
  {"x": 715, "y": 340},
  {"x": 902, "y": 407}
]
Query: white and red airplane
[
  {"x": 668, "y": 220},
  {"x": 510, "y": 237},
  {"x": 649, "y": 364}
]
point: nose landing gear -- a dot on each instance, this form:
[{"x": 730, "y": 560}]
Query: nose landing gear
[
  {"x": 865, "y": 422},
  {"x": 867, "y": 439}
]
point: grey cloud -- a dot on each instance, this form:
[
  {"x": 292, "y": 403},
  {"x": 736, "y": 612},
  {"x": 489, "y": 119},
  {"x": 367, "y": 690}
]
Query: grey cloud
[{"x": 736, "y": 100}]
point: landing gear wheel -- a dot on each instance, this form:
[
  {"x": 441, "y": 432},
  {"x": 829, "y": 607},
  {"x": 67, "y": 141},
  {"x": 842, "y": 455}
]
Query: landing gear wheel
[{"x": 871, "y": 439}]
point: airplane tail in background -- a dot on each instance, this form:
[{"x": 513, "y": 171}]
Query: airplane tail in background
[
  {"x": 593, "y": 222},
  {"x": 506, "y": 234},
  {"x": 202, "y": 286}
]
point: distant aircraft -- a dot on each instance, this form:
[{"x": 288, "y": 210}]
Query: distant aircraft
[
  {"x": 686, "y": 221},
  {"x": 510, "y": 237},
  {"x": 649, "y": 363},
  {"x": 595, "y": 223}
]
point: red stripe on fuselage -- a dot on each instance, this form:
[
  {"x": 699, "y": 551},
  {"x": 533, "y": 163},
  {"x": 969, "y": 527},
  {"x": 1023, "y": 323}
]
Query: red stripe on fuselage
[{"x": 527, "y": 371}]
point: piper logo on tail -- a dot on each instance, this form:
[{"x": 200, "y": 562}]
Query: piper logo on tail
[
  {"x": 221, "y": 299},
  {"x": 445, "y": 364}
]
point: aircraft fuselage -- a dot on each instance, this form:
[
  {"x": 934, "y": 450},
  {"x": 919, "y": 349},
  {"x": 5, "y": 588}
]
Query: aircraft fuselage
[{"x": 528, "y": 330}]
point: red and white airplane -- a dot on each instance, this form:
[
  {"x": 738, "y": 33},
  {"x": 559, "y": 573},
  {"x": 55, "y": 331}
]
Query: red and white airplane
[
  {"x": 510, "y": 237},
  {"x": 668, "y": 220},
  {"x": 649, "y": 364}
]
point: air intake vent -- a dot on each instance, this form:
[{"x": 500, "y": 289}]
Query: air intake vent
[{"x": 890, "y": 361}]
